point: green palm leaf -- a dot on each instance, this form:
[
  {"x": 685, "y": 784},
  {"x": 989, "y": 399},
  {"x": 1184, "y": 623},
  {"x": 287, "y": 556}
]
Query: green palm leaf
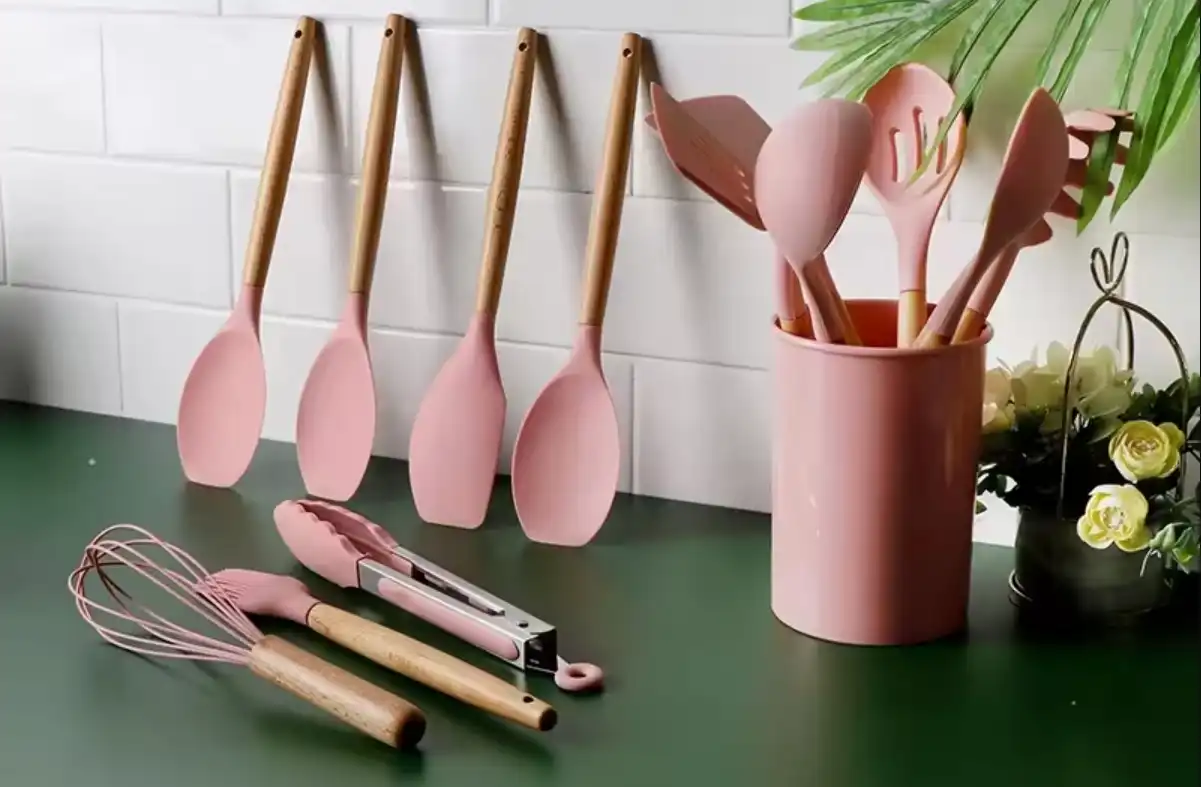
[
  {"x": 1092, "y": 15},
  {"x": 1168, "y": 75},
  {"x": 1061, "y": 29},
  {"x": 1105, "y": 148}
]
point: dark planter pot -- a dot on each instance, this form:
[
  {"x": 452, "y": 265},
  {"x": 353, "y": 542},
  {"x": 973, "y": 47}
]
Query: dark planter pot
[{"x": 1059, "y": 575}]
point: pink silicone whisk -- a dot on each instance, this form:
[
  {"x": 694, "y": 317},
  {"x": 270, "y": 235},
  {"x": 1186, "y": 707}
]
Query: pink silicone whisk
[{"x": 128, "y": 551}]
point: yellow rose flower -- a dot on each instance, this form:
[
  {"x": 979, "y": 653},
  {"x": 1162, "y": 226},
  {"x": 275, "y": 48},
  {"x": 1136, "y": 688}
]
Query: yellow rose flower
[
  {"x": 1115, "y": 515},
  {"x": 1140, "y": 450}
]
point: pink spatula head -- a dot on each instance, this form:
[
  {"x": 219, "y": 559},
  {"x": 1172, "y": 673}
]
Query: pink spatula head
[
  {"x": 335, "y": 425},
  {"x": 567, "y": 456},
  {"x": 908, "y": 104},
  {"x": 1032, "y": 176},
  {"x": 456, "y": 439},
  {"x": 702, "y": 158},
  {"x": 224, "y": 398},
  {"x": 806, "y": 177}
]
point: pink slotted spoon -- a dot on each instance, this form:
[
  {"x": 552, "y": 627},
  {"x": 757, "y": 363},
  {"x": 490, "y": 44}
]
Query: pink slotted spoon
[
  {"x": 224, "y": 398},
  {"x": 731, "y": 125},
  {"x": 567, "y": 456},
  {"x": 1032, "y": 175},
  {"x": 335, "y": 426},
  {"x": 456, "y": 439},
  {"x": 909, "y": 103}
]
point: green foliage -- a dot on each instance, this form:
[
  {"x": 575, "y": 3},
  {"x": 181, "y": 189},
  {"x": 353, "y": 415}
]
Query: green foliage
[{"x": 866, "y": 38}]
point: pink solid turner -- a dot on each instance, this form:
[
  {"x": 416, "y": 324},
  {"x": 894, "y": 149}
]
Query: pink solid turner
[
  {"x": 335, "y": 426},
  {"x": 224, "y": 398},
  {"x": 455, "y": 444},
  {"x": 567, "y": 456},
  {"x": 1031, "y": 178},
  {"x": 908, "y": 105},
  {"x": 806, "y": 177}
]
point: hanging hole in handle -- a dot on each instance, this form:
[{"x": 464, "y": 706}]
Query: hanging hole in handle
[
  {"x": 522, "y": 46},
  {"x": 388, "y": 33},
  {"x": 521, "y": 624},
  {"x": 527, "y": 699},
  {"x": 627, "y": 52},
  {"x": 298, "y": 34}
]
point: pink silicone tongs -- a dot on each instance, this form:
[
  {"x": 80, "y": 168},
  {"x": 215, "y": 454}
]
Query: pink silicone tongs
[{"x": 350, "y": 551}]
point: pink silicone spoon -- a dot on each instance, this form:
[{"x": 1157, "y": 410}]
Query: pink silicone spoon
[
  {"x": 455, "y": 444},
  {"x": 1032, "y": 176},
  {"x": 260, "y": 593},
  {"x": 568, "y": 452},
  {"x": 224, "y": 398},
  {"x": 907, "y": 105},
  {"x": 806, "y": 177},
  {"x": 335, "y": 426}
]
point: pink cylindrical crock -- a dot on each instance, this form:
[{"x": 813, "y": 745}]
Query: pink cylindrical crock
[{"x": 873, "y": 490}]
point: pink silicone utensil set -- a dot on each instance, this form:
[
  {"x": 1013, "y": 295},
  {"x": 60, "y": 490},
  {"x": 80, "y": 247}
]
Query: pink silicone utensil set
[
  {"x": 798, "y": 180},
  {"x": 566, "y": 459}
]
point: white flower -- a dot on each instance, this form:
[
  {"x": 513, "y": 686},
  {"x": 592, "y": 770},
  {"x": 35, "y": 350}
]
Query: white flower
[{"x": 999, "y": 412}]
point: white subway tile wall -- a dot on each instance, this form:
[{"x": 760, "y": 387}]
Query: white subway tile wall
[{"x": 131, "y": 132}]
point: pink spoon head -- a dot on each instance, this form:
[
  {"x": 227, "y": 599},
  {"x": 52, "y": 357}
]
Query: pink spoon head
[
  {"x": 808, "y": 172},
  {"x": 335, "y": 425},
  {"x": 579, "y": 677},
  {"x": 908, "y": 105},
  {"x": 260, "y": 593},
  {"x": 316, "y": 544},
  {"x": 702, "y": 159},
  {"x": 224, "y": 400},
  {"x": 567, "y": 457},
  {"x": 1033, "y": 173},
  {"x": 456, "y": 439}
]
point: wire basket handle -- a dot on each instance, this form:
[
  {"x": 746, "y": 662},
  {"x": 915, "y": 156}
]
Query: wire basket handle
[{"x": 1108, "y": 273}]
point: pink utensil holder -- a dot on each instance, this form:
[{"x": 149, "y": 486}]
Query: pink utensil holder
[{"x": 874, "y": 477}]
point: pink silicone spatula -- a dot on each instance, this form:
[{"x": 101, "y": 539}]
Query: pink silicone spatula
[
  {"x": 1032, "y": 175},
  {"x": 224, "y": 398},
  {"x": 907, "y": 105},
  {"x": 1083, "y": 126},
  {"x": 335, "y": 425},
  {"x": 455, "y": 444},
  {"x": 732, "y": 126},
  {"x": 806, "y": 177},
  {"x": 568, "y": 452}
]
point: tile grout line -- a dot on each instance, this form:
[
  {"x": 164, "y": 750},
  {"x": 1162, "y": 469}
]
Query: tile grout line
[
  {"x": 104, "y": 135},
  {"x": 120, "y": 359},
  {"x": 231, "y": 248}
]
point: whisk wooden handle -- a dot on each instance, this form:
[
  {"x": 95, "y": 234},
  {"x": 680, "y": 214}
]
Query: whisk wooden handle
[
  {"x": 362, "y": 705},
  {"x": 431, "y": 667}
]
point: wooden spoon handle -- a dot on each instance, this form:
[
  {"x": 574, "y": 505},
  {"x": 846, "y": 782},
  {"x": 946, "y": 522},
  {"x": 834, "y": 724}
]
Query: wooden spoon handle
[
  {"x": 377, "y": 154},
  {"x": 362, "y": 705},
  {"x": 610, "y": 190},
  {"x": 506, "y": 172},
  {"x": 281, "y": 146},
  {"x": 431, "y": 667}
]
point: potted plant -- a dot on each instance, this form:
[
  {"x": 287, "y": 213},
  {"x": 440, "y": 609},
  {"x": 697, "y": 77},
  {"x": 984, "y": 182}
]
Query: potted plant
[
  {"x": 1095, "y": 466},
  {"x": 1157, "y": 78}
]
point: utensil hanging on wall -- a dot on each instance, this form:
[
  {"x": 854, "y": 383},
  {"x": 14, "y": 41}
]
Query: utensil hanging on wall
[
  {"x": 125, "y": 552},
  {"x": 1032, "y": 175},
  {"x": 456, "y": 438},
  {"x": 806, "y": 177},
  {"x": 714, "y": 141},
  {"x": 260, "y": 593},
  {"x": 567, "y": 456},
  {"x": 335, "y": 425},
  {"x": 224, "y": 398},
  {"x": 907, "y": 105}
]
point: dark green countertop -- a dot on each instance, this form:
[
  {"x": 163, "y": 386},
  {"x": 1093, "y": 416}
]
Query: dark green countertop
[{"x": 705, "y": 687}]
